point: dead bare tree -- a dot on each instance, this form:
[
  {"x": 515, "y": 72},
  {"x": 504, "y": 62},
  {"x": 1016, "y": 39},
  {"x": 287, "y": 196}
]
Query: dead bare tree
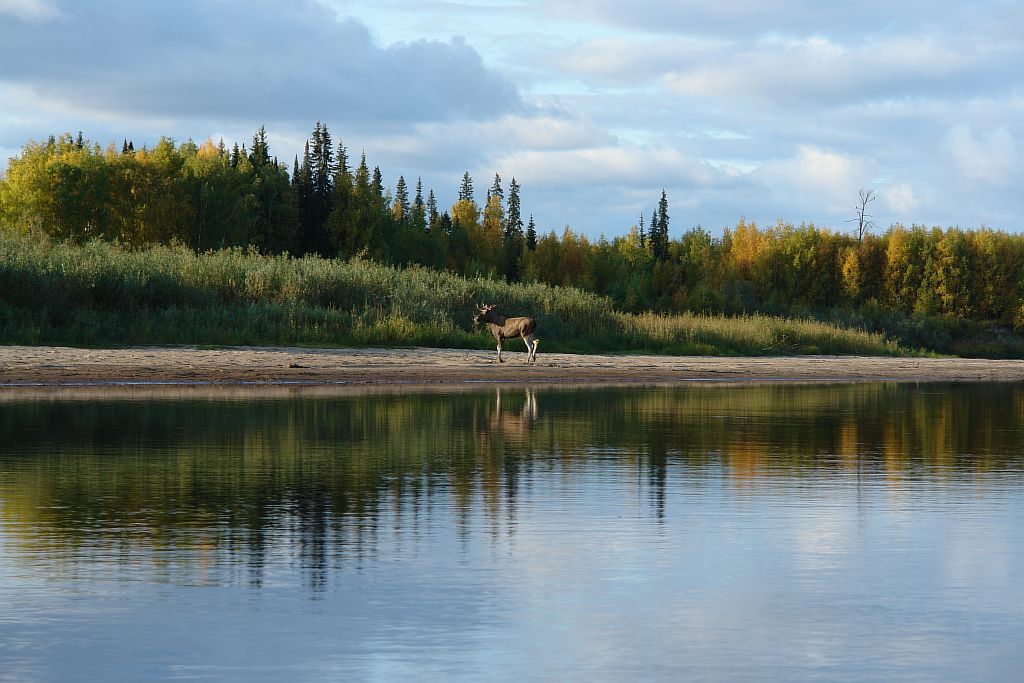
[{"x": 861, "y": 216}]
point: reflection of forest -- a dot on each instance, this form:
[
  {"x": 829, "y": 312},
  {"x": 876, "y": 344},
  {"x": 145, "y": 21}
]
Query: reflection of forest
[{"x": 321, "y": 472}]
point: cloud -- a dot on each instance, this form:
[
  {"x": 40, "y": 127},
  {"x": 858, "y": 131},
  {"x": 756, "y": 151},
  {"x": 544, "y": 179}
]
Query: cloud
[
  {"x": 820, "y": 71},
  {"x": 991, "y": 158},
  {"x": 900, "y": 198},
  {"x": 619, "y": 166},
  {"x": 629, "y": 60},
  {"x": 817, "y": 179},
  {"x": 759, "y": 17},
  {"x": 31, "y": 11},
  {"x": 246, "y": 60}
]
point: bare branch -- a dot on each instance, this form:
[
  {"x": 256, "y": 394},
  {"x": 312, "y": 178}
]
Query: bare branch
[{"x": 861, "y": 216}]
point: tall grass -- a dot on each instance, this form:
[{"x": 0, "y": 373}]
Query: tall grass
[{"x": 100, "y": 294}]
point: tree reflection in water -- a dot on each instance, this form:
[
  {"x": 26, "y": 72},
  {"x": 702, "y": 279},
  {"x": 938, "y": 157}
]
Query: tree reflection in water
[{"x": 200, "y": 483}]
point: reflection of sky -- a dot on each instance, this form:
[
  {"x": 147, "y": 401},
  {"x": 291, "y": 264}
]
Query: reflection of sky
[
  {"x": 780, "y": 584},
  {"x": 591, "y": 571}
]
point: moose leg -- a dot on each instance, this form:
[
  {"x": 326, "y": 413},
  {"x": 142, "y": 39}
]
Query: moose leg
[
  {"x": 499, "y": 351},
  {"x": 531, "y": 347}
]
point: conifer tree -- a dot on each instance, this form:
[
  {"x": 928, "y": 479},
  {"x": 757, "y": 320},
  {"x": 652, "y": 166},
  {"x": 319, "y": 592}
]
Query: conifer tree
[
  {"x": 663, "y": 217},
  {"x": 659, "y": 230},
  {"x": 323, "y": 165},
  {"x": 319, "y": 198},
  {"x": 652, "y": 236},
  {"x": 401, "y": 208},
  {"x": 433, "y": 218},
  {"x": 531, "y": 234},
  {"x": 303, "y": 184},
  {"x": 495, "y": 189},
  {"x": 419, "y": 209},
  {"x": 378, "y": 182},
  {"x": 466, "y": 191},
  {"x": 345, "y": 222},
  {"x": 362, "y": 179},
  {"x": 260, "y": 154},
  {"x": 513, "y": 237},
  {"x": 273, "y": 207},
  {"x": 341, "y": 168}
]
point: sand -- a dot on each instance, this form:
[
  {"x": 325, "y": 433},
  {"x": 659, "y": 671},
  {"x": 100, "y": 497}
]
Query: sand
[{"x": 35, "y": 366}]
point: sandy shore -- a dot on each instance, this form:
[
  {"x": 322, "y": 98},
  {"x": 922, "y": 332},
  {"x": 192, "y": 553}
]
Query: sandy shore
[{"x": 62, "y": 366}]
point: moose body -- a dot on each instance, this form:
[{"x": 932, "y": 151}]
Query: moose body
[{"x": 504, "y": 327}]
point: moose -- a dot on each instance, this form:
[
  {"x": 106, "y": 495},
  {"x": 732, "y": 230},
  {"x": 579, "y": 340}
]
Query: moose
[{"x": 504, "y": 327}]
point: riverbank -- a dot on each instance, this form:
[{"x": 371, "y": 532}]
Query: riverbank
[{"x": 58, "y": 366}]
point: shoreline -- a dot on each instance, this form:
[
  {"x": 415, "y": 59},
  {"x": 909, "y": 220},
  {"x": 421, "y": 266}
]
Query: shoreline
[{"x": 24, "y": 367}]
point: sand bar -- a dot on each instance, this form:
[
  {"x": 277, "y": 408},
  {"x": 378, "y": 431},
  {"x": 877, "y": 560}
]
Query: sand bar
[{"x": 22, "y": 366}]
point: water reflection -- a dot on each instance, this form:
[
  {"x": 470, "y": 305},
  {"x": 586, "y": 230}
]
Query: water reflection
[
  {"x": 666, "y": 531},
  {"x": 244, "y": 478}
]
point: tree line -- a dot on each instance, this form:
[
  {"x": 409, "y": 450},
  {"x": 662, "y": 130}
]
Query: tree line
[{"x": 208, "y": 196}]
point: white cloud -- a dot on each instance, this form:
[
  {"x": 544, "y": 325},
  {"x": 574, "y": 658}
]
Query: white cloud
[
  {"x": 816, "y": 179},
  {"x": 900, "y": 198},
  {"x": 619, "y": 166},
  {"x": 991, "y": 158},
  {"x": 745, "y": 18},
  {"x": 820, "y": 70},
  {"x": 630, "y": 60},
  {"x": 31, "y": 11}
]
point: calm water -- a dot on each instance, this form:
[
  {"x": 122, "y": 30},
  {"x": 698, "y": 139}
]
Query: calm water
[{"x": 767, "y": 532}]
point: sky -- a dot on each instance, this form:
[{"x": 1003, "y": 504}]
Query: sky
[{"x": 755, "y": 109}]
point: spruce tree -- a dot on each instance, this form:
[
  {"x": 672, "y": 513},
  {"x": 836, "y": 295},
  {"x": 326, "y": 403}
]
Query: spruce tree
[
  {"x": 260, "y": 154},
  {"x": 378, "y": 182},
  {"x": 401, "y": 207},
  {"x": 419, "y": 209},
  {"x": 433, "y": 218},
  {"x": 343, "y": 222},
  {"x": 663, "y": 219},
  {"x": 466, "y": 191},
  {"x": 362, "y": 179},
  {"x": 319, "y": 198},
  {"x": 659, "y": 249},
  {"x": 495, "y": 189},
  {"x": 513, "y": 237},
  {"x": 305, "y": 199},
  {"x": 341, "y": 168},
  {"x": 531, "y": 234},
  {"x": 323, "y": 166}
]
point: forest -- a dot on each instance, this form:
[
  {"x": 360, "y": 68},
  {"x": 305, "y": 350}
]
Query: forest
[{"x": 944, "y": 289}]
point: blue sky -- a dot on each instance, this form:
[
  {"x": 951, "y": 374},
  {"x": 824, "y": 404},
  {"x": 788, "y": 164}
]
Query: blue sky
[{"x": 741, "y": 108}]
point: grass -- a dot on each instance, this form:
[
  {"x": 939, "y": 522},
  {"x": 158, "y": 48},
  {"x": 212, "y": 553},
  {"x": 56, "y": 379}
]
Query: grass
[{"x": 100, "y": 294}]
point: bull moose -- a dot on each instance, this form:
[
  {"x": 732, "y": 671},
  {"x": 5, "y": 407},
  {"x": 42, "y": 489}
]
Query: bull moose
[{"x": 504, "y": 327}]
